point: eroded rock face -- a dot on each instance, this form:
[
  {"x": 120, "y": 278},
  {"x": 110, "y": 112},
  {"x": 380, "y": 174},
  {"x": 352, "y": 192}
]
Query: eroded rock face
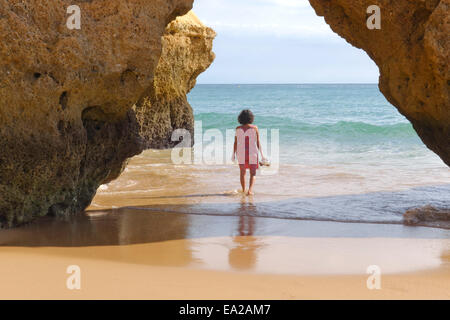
[
  {"x": 66, "y": 123},
  {"x": 187, "y": 52},
  {"x": 412, "y": 51},
  {"x": 427, "y": 216}
]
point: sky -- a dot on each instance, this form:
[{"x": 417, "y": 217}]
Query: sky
[{"x": 278, "y": 41}]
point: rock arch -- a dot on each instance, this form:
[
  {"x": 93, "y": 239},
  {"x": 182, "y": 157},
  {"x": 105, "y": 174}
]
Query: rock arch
[{"x": 75, "y": 104}]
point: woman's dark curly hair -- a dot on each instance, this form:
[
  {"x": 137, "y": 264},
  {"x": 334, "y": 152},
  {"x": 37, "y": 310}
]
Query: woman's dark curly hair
[{"x": 246, "y": 117}]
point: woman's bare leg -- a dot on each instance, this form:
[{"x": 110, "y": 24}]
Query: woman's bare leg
[
  {"x": 252, "y": 181},
  {"x": 243, "y": 179}
]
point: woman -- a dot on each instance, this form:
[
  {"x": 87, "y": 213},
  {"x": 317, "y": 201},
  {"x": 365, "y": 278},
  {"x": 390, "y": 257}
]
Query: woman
[{"x": 246, "y": 146}]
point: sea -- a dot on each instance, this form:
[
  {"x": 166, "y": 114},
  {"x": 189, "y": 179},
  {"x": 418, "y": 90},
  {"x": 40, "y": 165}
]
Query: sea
[{"x": 338, "y": 152}]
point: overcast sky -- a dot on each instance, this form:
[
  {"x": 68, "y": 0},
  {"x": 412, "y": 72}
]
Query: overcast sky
[{"x": 278, "y": 41}]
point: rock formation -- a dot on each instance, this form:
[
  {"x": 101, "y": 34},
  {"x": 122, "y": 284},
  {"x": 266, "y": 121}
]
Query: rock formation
[
  {"x": 67, "y": 122},
  {"x": 412, "y": 52},
  {"x": 428, "y": 216},
  {"x": 187, "y": 52}
]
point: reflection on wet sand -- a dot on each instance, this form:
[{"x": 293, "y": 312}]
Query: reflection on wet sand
[
  {"x": 243, "y": 255},
  {"x": 99, "y": 228}
]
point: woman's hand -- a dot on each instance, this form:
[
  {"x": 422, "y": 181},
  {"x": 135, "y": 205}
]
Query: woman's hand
[{"x": 233, "y": 157}]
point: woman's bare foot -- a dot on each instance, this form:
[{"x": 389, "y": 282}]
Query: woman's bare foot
[{"x": 250, "y": 193}]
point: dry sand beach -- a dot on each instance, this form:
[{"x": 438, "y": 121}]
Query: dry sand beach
[{"x": 112, "y": 273}]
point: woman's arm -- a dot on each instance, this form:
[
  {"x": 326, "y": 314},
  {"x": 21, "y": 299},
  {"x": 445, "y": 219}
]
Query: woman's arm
[
  {"x": 257, "y": 142},
  {"x": 233, "y": 157}
]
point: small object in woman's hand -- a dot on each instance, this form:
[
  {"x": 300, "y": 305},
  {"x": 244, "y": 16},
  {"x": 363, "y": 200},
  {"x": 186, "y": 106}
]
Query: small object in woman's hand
[{"x": 264, "y": 162}]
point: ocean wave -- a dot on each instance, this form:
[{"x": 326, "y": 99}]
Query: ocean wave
[
  {"x": 377, "y": 208},
  {"x": 293, "y": 128}
]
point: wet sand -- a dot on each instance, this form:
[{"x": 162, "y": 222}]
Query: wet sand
[{"x": 127, "y": 254}]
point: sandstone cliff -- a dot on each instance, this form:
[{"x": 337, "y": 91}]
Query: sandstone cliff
[
  {"x": 187, "y": 52},
  {"x": 412, "y": 51},
  {"x": 67, "y": 122}
]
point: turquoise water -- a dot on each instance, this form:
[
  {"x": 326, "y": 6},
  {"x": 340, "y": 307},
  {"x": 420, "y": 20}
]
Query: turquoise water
[
  {"x": 345, "y": 154},
  {"x": 317, "y": 123}
]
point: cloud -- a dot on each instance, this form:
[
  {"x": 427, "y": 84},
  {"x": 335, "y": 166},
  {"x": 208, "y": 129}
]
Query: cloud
[
  {"x": 265, "y": 29},
  {"x": 282, "y": 41},
  {"x": 291, "y": 18},
  {"x": 289, "y": 3}
]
